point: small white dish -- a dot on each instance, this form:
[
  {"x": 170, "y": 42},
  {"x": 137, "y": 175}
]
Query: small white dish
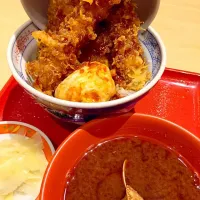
[{"x": 10, "y": 128}]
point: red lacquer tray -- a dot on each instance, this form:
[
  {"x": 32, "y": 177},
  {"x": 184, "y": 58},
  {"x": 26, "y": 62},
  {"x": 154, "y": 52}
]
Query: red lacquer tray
[{"x": 176, "y": 97}]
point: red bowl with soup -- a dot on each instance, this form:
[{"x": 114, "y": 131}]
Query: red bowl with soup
[{"x": 162, "y": 158}]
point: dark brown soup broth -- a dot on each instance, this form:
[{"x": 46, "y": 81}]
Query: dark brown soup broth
[{"x": 155, "y": 172}]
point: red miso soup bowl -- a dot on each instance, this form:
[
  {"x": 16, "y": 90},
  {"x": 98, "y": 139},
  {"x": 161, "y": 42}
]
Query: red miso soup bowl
[{"x": 73, "y": 148}]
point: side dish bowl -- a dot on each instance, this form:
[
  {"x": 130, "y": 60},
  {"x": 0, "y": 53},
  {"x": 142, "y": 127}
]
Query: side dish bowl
[
  {"x": 73, "y": 148},
  {"x": 23, "y": 47},
  {"x": 8, "y": 129}
]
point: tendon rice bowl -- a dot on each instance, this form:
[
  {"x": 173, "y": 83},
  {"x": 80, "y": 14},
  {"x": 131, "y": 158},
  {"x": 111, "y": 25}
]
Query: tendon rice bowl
[{"x": 23, "y": 48}]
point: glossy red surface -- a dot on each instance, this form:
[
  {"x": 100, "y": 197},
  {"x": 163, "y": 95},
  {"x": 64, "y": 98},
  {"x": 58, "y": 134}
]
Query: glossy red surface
[{"x": 176, "y": 97}]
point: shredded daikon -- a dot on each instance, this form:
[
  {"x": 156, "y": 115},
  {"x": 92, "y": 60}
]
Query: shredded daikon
[{"x": 22, "y": 166}]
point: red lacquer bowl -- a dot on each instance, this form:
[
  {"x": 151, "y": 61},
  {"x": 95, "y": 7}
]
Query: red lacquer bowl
[{"x": 96, "y": 131}]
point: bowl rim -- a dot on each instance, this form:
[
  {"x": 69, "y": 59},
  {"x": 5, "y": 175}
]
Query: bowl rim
[
  {"x": 81, "y": 104},
  {"x": 100, "y": 120},
  {"x": 43, "y": 135}
]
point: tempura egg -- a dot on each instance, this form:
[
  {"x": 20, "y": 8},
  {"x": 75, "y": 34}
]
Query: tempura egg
[{"x": 92, "y": 82}]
